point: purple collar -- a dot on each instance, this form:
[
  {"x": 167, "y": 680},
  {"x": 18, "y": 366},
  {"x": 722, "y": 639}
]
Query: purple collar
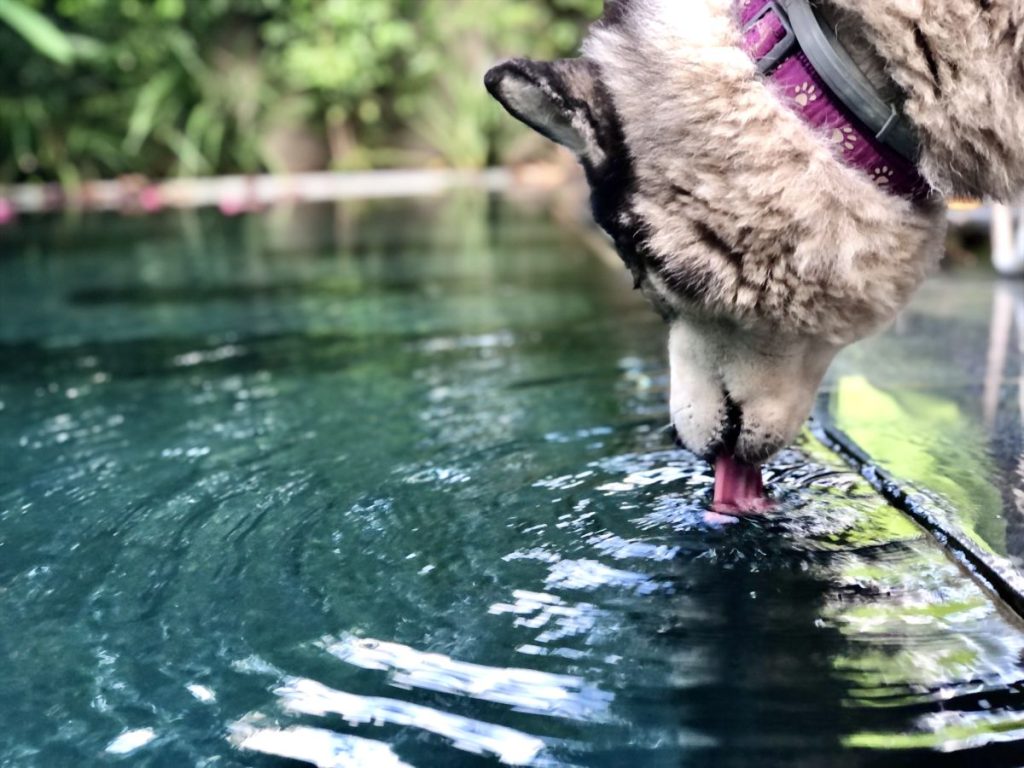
[{"x": 769, "y": 41}]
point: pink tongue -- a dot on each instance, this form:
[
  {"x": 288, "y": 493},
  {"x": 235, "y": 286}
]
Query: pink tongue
[{"x": 738, "y": 486}]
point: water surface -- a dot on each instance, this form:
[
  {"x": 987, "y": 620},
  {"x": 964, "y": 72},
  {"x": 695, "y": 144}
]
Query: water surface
[{"x": 383, "y": 485}]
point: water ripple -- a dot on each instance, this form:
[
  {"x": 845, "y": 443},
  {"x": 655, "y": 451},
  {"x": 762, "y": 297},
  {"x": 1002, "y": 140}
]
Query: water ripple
[
  {"x": 318, "y": 746},
  {"x": 525, "y": 690},
  {"x": 507, "y": 744}
]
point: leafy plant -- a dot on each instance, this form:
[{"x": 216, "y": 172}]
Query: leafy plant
[
  {"x": 37, "y": 30},
  {"x": 104, "y": 87}
]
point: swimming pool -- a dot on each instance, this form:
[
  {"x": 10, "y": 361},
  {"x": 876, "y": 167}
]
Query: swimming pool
[{"x": 387, "y": 483}]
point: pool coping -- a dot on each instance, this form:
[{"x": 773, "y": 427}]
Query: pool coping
[
  {"x": 993, "y": 572},
  {"x": 239, "y": 193}
]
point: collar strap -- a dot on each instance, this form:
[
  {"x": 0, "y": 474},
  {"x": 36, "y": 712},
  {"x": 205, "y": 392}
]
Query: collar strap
[{"x": 793, "y": 48}]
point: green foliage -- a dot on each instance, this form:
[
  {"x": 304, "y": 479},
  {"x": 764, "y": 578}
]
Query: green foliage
[
  {"x": 37, "y": 30},
  {"x": 105, "y": 87}
]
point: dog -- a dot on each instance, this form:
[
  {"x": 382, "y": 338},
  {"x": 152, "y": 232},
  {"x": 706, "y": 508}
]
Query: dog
[{"x": 747, "y": 225}]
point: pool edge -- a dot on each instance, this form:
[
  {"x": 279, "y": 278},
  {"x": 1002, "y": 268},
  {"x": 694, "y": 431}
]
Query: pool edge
[{"x": 994, "y": 574}]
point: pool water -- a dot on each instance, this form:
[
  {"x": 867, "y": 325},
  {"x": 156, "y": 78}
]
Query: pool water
[{"x": 388, "y": 484}]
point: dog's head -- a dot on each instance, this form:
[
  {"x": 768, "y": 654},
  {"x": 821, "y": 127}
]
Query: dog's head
[
  {"x": 735, "y": 386},
  {"x": 762, "y": 251}
]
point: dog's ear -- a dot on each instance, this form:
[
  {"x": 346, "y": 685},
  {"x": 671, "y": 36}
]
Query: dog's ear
[{"x": 554, "y": 98}]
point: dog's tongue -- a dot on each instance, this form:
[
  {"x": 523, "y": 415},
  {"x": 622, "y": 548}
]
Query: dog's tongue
[{"x": 738, "y": 486}]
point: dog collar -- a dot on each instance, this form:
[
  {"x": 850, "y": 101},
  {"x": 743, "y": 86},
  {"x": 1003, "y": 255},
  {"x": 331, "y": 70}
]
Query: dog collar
[{"x": 801, "y": 56}]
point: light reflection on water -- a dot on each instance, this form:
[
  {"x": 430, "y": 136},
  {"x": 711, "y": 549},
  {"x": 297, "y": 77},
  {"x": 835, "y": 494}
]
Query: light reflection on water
[{"x": 408, "y": 502}]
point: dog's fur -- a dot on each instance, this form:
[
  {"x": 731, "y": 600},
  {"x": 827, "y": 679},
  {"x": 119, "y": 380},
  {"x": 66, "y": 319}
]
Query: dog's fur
[{"x": 764, "y": 251}]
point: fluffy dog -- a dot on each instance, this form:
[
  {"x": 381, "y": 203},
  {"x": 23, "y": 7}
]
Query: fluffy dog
[{"x": 762, "y": 248}]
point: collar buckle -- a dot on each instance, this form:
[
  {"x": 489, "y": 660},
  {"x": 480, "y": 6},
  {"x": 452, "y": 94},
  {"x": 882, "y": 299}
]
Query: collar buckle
[{"x": 767, "y": 62}]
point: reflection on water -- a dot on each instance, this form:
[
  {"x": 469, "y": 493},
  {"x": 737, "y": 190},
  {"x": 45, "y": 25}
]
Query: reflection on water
[
  {"x": 527, "y": 690},
  {"x": 317, "y": 746},
  {"x": 252, "y": 515}
]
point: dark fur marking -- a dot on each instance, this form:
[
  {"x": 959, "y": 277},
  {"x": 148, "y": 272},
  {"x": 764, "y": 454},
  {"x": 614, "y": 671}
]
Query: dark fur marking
[
  {"x": 681, "y": 191},
  {"x": 1010, "y": 35},
  {"x": 615, "y": 12},
  {"x": 929, "y": 57},
  {"x": 714, "y": 241},
  {"x": 571, "y": 103},
  {"x": 613, "y": 183},
  {"x": 683, "y": 280},
  {"x": 744, "y": 238},
  {"x": 734, "y": 253}
]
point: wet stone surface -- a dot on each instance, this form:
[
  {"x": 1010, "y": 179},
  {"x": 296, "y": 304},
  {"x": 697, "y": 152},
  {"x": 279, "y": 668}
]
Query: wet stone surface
[{"x": 387, "y": 485}]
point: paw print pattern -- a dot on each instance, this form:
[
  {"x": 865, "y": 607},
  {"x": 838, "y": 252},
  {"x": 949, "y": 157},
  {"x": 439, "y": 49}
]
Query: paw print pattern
[
  {"x": 881, "y": 175},
  {"x": 844, "y": 138},
  {"x": 805, "y": 93}
]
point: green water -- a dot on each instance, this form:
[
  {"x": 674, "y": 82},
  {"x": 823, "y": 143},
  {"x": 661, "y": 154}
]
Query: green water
[{"x": 387, "y": 484}]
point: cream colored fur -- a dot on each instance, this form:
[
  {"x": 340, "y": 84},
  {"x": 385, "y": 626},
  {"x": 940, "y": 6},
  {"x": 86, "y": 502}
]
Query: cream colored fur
[
  {"x": 825, "y": 252},
  {"x": 766, "y": 250}
]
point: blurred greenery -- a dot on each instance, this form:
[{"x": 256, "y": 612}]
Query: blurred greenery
[{"x": 99, "y": 88}]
